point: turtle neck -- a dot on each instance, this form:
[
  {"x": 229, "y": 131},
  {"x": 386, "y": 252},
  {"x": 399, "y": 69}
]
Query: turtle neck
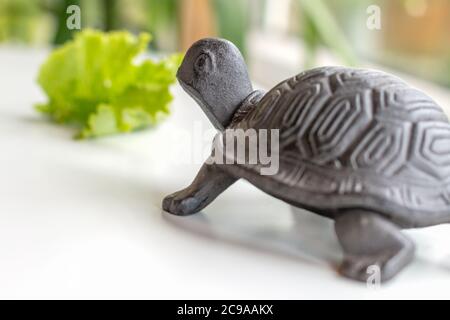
[{"x": 246, "y": 106}]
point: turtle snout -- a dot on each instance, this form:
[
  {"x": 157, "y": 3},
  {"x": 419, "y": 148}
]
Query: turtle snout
[
  {"x": 178, "y": 73},
  {"x": 184, "y": 75}
]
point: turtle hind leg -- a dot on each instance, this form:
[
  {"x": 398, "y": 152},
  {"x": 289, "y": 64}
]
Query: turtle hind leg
[{"x": 371, "y": 244}]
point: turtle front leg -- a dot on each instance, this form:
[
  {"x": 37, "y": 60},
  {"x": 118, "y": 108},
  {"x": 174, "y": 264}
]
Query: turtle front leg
[
  {"x": 371, "y": 244},
  {"x": 207, "y": 185}
]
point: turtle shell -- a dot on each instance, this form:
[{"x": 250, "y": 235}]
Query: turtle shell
[{"x": 351, "y": 138}]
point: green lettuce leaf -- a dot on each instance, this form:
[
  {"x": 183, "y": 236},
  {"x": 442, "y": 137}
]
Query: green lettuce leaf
[{"x": 94, "y": 83}]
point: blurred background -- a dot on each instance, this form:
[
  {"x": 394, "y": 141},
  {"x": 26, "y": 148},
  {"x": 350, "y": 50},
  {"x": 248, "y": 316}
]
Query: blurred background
[
  {"x": 84, "y": 220},
  {"x": 278, "y": 37}
]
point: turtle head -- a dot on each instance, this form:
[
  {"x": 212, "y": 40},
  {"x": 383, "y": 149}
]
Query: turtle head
[{"x": 214, "y": 73}]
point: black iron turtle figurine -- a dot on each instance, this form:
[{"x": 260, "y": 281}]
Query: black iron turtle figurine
[{"x": 358, "y": 146}]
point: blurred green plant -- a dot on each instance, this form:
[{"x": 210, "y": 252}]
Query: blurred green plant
[
  {"x": 44, "y": 21},
  {"x": 18, "y": 19},
  {"x": 93, "y": 82},
  {"x": 162, "y": 21},
  {"x": 232, "y": 17},
  {"x": 319, "y": 26},
  {"x": 320, "y": 29},
  {"x": 107, "y": 17},
  {"x": 59, "y": 8}
]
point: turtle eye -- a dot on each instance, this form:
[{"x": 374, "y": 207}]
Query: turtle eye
[{"x": 203, "y": 63}]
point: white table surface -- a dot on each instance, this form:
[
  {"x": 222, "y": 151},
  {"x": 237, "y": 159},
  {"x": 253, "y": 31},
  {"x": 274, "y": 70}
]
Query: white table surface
[{"x": 84, "y": 219}]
